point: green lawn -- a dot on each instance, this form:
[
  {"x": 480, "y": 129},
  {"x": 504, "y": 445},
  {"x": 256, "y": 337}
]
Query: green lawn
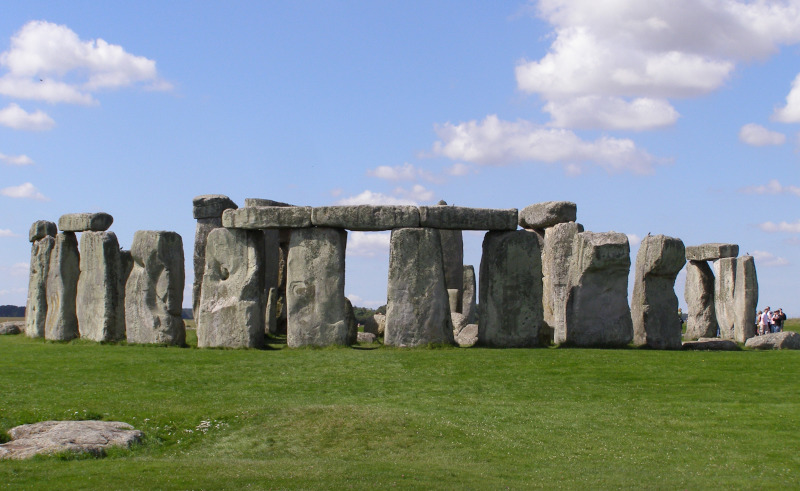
[{"x": 424, "y": 418}]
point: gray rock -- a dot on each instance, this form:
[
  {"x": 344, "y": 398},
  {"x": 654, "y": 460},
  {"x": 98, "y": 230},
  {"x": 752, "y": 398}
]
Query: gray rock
[
  {"x": 510, "y": 290},
  {"x": 596, "y": 309},
  {"x": 365, "y": 217},
  {"x": 256, "y": 202},
  {"x": 366, "y": 337},
  {"x": 352, "y": 323},
  {"x": 468, "y": 300},
  {"x": 777, "y": 340},
  {"x": 467, "y": 336},
  {"x": 204, "y": 227},
  {"x": 711, "y": 344},
  {"x": 99, "y": 300},
  {"x": 556, "y": 258},
  {"x": 654, "y": 307},
  {"x": 11, "y": 327},
  {"x": 62, "y": 289},
  {"x": 41, "y": 229},
  {"x": 272, "y": 258},
  {"x": 232, "y": 302},
  {"x": 315, "y": 301},
  {"x": 547, "y": 214},
  {"x": 459, "y": 322},
  {"x": 85, "y": 222},
  {"x": 745, "y": 299},
  {"x": 375, "y": 324},
  {"x": 418, "y": 310},
  {"x": 453, "y": 299},
  {"x": 711, "y": 251},
  {"x": 211, "y": 205},
  {"x": 453, "y": 260},
  {"x": 154, "y": 290},
  {"x": 701, "y": 321},
  {"x": 724, "y": 289},
  {"x": 49, "y": 437},
  {"x": 463, "y": 218},
  {"x": 272, "y": 310},
  {"x": 268, "y": 217},
  {"x": 36, "y": 304}
]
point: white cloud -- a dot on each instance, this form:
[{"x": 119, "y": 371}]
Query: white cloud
[
  {"x": 405, "y": 172},
  {"x": 611, "y": 113},
  {"x": 26, "y": 190},
  {"x": 634, "y": 240},
  {"x": 12, "y": 291},
  {"x": 757, "y": 135},
  {"x": 460, "y": 169},
  {"x": 768, "y": 259},
  {"x": 790, "y": 113},
  {"x": 367, "y": 244},
  {"x": 358, "y": 301},
  {"x": 17, "y": 118},
  {"x": 368, "y": 197},
  {"x": 772, "y": 187},
  {"x": 20, "y": 269},
  {"x": 496, "y": 142},
  {"x": 16, "y": 159},
  {"x": 792, "y": 228},
  {"x": 416, "y": 194},
  {"x": 4, "y": 232}
]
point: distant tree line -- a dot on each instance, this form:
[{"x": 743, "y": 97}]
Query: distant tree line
[{"x": 12, "y": 311}]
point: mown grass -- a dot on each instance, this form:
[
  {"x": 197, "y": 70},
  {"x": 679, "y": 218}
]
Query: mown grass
[{"x": 444, "y": 418}]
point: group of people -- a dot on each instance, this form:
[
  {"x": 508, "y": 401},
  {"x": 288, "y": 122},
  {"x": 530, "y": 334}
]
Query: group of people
[{"x": 768, "y": 321}]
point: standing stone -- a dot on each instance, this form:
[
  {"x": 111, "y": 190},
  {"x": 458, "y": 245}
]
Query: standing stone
[
  {"x": 418, "y": 310},
  {"x": 724, "y": 285},
  {"x": 701, "y": 321},
  {"x": 556, "y": 258},
  {"x": 352, "y": 322},
  {"x": 596, "y": 309},
  {"x": 454, "y": 300},
  {"x": 745, "y": 299},
  {"x": 207, "y": 209},
  {"x": 375, "y": 324},
  {"x": 99, "y": 306},
  {"x": 654, "y": 307},
  {"x": 271, "y": 317},
  {"x": 62, "y": 288},
  {"x": 36, "y": 306},
  {"x": 468, "y": 295},
  {"x": 232, "y": 299},
  {"x": 316, "y": 307},
  {"x": 154, "y": 290},
  {"x": 453, "y": 258},
  {"x": 510, "y": 290}
]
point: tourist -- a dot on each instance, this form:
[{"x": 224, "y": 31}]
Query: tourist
[
  {"x": 759, "y": 323},
  {"x": 766, "y": 319},
  {"x": 777, "y": 318}
]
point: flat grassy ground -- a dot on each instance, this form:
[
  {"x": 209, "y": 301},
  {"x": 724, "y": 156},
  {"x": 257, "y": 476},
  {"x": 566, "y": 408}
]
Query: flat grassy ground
[{"x": 424, "y": 418}]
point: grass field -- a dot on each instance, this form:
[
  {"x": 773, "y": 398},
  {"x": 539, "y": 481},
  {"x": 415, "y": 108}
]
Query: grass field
[{"x": 424, "y": 418}]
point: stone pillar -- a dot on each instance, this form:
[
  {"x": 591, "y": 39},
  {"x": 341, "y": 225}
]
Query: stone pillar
[
  {"x": 231, "y": 312},
  {"x": 510, "y": 290},
  {"x": 316, "y": 307},
  {"x": 556, "y": 258},
  {"x": 154, "y": 290},
  {"x": 62, "y": 288},
  {"x": 418, "y": 310},
  {"x": 596, "y": 308},
  {"x": 99, "y": 303},
  {"x": 271, "y": 319},
  {"x": 452, "y": 258},
  {"x": 699, "y": 295},
  {"x": 42, "y": 240},
  {"x": 207, "y": 209},
  {"x": 724, "y": 285},
  {"x": 745, "y": 299},
  {"x": 468, "y": 300},
  {"x": 654, "y": 307}
]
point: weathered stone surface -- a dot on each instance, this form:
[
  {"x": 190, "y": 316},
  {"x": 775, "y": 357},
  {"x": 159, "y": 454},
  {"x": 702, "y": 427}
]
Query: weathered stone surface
[
  {"x": 711, "y": 251},
  {"x": 556, "y": 258},
  {"x": 453, "y": 299},
  {"x": 256, "y": 202},
  {"x": 701, "y": 321},
  {"x": 272, "y": 311},
  {"x": 463, "y": 218},
  {"x": 154, "y": 290},
  {"x": 265, "y": 217},
  {"x": 459, "y": 322},
  {"x": 99, "y": 300},
  {"x": 211, "y": 205},
  {"x": 232, "y": 300},
  {"x": 468, "y": 295},
  {"x": 711, "y": 344},
  {"x": 41, "y": 229},
  {"x": 654, "y": 307},
  {"x": 467, "y": 336},
  {"x": 375, "y": 324},
  {"x": 49, "y": 437},
  {"x": 12, "y": 327},
  {"x": 365, "y": 217},
  {"x": 510, "y": 290},
  {"x": 745, "y": 299},
  {"x": 596, "y": 309},
  {"x": 352, "y": 323},
  {"x": 547, "y": 214},
  {"x": 453, "y": 260},
  {"x": 315, "y": 301},
  {"x": 366, "y": 337},
  {"x": 62, "y": 288},
  {"x": 776, "y": 340},
  {"x": 85, "y": 222},
  {"x": 418, "y": 310},
  {"x": 204, "y": 227},
  {"x": 724, "y": 288},
  {"x": 36, "y": 304}
]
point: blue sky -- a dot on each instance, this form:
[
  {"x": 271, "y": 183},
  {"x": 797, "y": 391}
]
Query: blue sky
[{"x": 675, "y": 117}]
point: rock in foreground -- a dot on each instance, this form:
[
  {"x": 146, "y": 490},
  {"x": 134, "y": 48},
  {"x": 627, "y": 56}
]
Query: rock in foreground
[
  {"x": 775, "y": 340},
  {"x": 48, "y": 437}
]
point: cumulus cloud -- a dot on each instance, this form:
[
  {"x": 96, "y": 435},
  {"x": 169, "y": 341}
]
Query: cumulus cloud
[
  {"x": 634, "y": 240},
  {"x": 26, "y": 190},
  {"x": 772, "y": 187},
  {"x": 790, "y": 113},
  {"x": 17, "y": 118},
  {"x": 757, "y": 135},
  {"x": 792, "y": 228},
  {"x": 460, "y": 169},
  {"x": 417, "y": 193},
  {"x": 593, "y": 112},
  {"x": 400, "y": 196},
  {"x": 367, "y": 244},
  {"x": 16, "y": 159},
  {"x": 4, "y": 232},
  {"x": 405, "y": 172},
  {"x": 768, "y": 259}
]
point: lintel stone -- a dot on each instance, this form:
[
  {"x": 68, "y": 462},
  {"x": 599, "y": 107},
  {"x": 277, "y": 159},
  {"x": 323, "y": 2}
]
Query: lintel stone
[
  {"x": 211, "y": 205},
  {"x": 85, "y": 222},
  {"x": 41, "y": 229},
  {"x": 366, "y": 217},
  {"x": 547, "y": 214},
  {"x": 464, "y": 218},
  {"x": 256, "y": 202},
  {"x": 263, "y": 217},
  {"x": 711, "y": 251}
]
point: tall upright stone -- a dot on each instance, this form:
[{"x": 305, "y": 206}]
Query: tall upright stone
[
  {"x": 468, "y": 300},
  {"x": 231, "y": 312},
  {"x": 698, "y": 293},
  {"x": 207, "y": 210},
  {"x": 556, "y": 258},
  {"x": 596, "y": 309},
  {"x": 271, "y": 319},
  {"x": 724, "y": 286},
  {"x": 510, "y": 290},
  {"x": 99, "y": 302},
  {"x": 745, "y": 299},
  {"x": 418, "y": 310},
  {"x": 154, "y": 290},
  {"x": 654, "y": 307},
  {"x": 316, "y": 307},
  {"x": 452, "y": 257},
  {"x": 62, "y": 288},
  {"x": 36, "y": 305}
]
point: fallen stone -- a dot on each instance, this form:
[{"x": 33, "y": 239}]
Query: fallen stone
[
  {"x": 36, "y": 304},
  {"x": 547, "y": 214},
  {"x": 365, "y": 217},
  {"x": 268, "y": 217},
  {"x": 467, "y": 336},
  {"x": 724, "y": 290},
  {"x": 211, "y": 205},
  {"x": 85, "y": 222},
  {"x": 100, "y": 300},
  {"x": 776, "y": 340},
  {"x": 711, "y": 344},
  {"x": 711, "y": 251},
  {"x": 468, "y": 295},
  {"x": 745, "y": 299},
  {"x": 50, "y": 437},
  {"x": 12, "y": 327},
  {"x": 463, "y": 218},
  {"x": 62, "y": 288},
  {"x": 701, "y": 321},
  {"x": 41, "y": 229},
  {"x": 366, "y": 337},
  {"x": 556, "y": 258},
  {"x": 459, "y": 322},
  {"x": 375, "y": 324}
]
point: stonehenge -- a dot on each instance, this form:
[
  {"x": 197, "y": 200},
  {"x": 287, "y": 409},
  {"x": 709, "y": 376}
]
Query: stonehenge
[
  {"x": 42, "y": 238},
  {"x": 100, "y": 299},
  {"x": 62, "y": 288}
]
